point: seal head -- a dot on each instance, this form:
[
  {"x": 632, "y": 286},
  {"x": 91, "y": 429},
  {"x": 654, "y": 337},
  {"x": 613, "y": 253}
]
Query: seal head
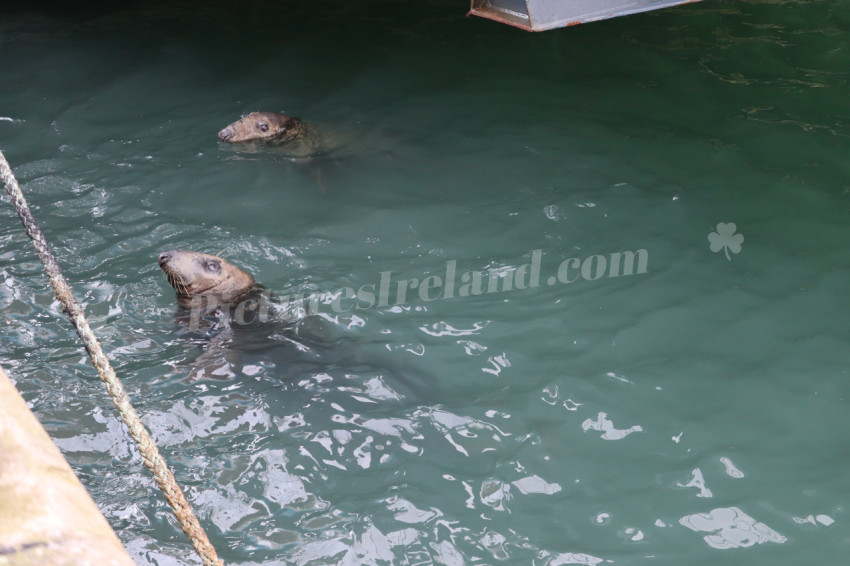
[
  {"x": 198, "y": 276},
  {"x": 265, "y": 127}
]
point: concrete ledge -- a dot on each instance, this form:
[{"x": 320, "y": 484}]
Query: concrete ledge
[{"x": 47, "y": 518}]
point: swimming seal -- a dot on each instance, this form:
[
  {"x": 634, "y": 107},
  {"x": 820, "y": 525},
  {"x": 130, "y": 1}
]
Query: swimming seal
[
  {"x": 242, "y": 328},
  {"x": 199, "y": 277},
  {"x": 293, "y": 135}
]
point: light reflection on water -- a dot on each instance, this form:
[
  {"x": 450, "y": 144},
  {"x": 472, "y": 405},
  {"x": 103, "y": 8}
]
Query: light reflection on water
[{"x": 686, "y": 415}]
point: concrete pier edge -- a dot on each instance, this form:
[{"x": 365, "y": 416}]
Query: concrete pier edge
[{"x": 47, "y": 518}]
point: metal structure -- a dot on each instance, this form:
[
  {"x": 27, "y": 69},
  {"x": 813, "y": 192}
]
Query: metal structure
[{"x": 542, "y": 15}]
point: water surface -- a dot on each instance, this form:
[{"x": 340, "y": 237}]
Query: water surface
[{"x": 694, "y": 411}]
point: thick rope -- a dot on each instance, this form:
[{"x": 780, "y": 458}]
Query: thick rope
[{"x": 150, "y": 453}]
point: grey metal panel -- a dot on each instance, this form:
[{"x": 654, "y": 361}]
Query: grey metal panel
[
  {"x": 540, "y": 15},
  {"x": 512, "y": 12},
  {"x": 548, "y": 14},
  {"x": 516, "y": 6}
]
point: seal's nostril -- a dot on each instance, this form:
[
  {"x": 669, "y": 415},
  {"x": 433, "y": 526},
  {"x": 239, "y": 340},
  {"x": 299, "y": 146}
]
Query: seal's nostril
[{"x": 164, "y": 257}]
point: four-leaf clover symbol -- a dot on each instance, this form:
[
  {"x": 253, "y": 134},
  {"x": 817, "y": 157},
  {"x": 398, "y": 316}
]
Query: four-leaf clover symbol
[{"x": 726, "y": 239}]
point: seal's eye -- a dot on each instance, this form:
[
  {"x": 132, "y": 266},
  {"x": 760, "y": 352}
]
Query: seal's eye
[
  {"x": 263, "y": 127},
  {"x": 212, "y": 266}
]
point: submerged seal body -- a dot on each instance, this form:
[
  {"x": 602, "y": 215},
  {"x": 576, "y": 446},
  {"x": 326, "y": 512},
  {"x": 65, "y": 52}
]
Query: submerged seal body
[
  {"x": 199, "y": 277},
  {"x": 239, "y": 328},
  {"x": 293, "y": 135}
]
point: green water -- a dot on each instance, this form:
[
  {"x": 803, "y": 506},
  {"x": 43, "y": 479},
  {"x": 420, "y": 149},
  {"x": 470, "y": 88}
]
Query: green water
[{"x": 692, "y": 412}]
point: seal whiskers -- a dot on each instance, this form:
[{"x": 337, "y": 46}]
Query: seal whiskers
[{"x": 177, "y": 282}]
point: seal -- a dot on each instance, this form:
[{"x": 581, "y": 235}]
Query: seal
[
  {"x": 293, "y": 135},
  {"x": 199, "y": 277},
  {"x": 234, "y": 321}
]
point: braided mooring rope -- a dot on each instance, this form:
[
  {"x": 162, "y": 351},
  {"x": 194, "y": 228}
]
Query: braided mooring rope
[{"x": 150, "y": 453}]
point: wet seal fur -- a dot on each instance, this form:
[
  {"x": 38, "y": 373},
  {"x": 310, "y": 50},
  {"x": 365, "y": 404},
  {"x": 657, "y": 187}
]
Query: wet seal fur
[
  {"x": 212, "y": 293},
  {"x": 203, "y": 278},
  {"x": 292, "y": 135}
]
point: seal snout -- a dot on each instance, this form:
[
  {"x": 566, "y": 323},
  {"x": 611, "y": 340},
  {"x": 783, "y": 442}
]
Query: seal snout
[
  {"x": 226, "y": 134},
  {"x": 165, "y": 257}
]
